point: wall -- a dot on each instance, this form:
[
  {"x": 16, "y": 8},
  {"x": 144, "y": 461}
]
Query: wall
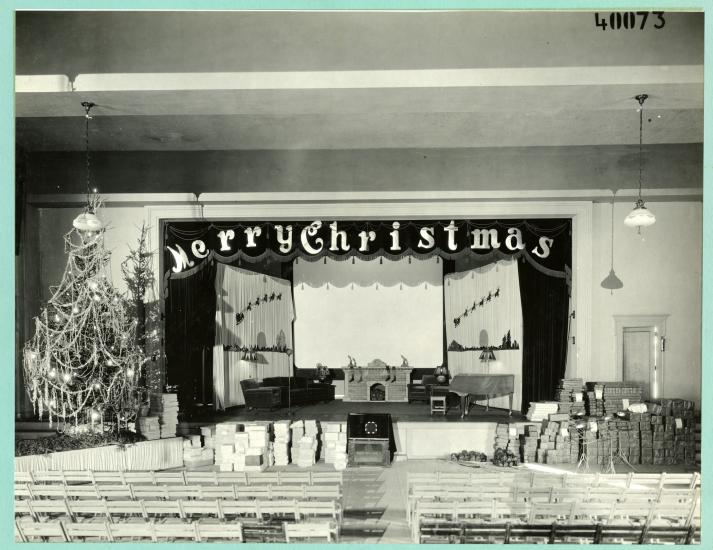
[
  {"x": 661, "y": 272},
  {"x": 661, "y": 275}
]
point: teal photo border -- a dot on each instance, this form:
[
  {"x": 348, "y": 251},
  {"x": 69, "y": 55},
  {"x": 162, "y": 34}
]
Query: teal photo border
[{"x": 7, "y": 207}]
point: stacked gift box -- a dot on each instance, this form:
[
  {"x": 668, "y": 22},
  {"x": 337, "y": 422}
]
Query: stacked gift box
[
  {"x": 618, "y": 396},
  {"x": 539, "y": 410},
  {"x": 334, "y": 444},
  {"x": 507, "y": 437},
  {"x": 195, "y": 455},
  {"x": 528, "y": 443},
  {"x": 279, "y": 449},
  {"x": 165, "y": 406},
  {"x": 569, "y": 396},
  {"x": 224, "y": 442},
  {"x": 304, "y": 442},
  {"x": 149, "y": 427},
  {"x": 594, "y": 400}
]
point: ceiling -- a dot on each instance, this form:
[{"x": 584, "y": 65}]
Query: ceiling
[{"x": 256, "y": 81}]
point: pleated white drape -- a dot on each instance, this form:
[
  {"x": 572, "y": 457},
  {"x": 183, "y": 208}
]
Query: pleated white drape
[
  {"x": 486, "y": 324},
  {"x": 266, "y": 324}
]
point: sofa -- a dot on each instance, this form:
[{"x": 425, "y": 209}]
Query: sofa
[{"x": 282, "y": 391}]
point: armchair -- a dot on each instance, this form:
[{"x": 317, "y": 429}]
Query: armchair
[{"x": 260, "y": 397}]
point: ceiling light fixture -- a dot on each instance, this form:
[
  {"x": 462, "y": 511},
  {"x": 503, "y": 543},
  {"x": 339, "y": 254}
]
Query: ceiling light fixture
[
  {"x": 640, "y": 216},
  {"x": 87, "y": 222},
  {"x": 611, "y": 282}
]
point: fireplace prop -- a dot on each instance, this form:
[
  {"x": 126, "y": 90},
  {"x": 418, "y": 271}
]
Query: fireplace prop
[
  {"x": 377, "y": 392},
  {"x": 376, "y": 382}
]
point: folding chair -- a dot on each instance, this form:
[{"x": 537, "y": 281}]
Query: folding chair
[
  {"x": 263, "y": 478},
  {"x": 125, "y": 510},
  {"x": 115, "y": 492},
  {"x": 49, "y": 476},
  {"x": 171, "y": 532},
  {"x": 560, "y": 512},
  {"x": 232, "y": 478},
  {"x": 630, "y": 513},
  {"x": 213, "y": 492},
  {"x": 278, "y": 509},
  {"x": 163, "y": 509},
  {"x": 41, "y": 491},
  {"x": 88, "y": 532},
  {"x": 23, "y": 507},
  {"x": 319, "y": 509},
  {"x": 170, "y": 478},
  {"x": 82, "y": 491},
  {"x": 592, "y": 512},
  {"x": 326, "y": 477},
  {"x": 310, "y": 532},
  {"x": 23, "y": 477},
  {"x": 36, "y": 531},
  {"x": 232, "y": 531},
  {"x": 323, "y": 492},
  {"x": 239, "y": 509},
  {"x": 475, "y": 511},
  {"x": 201, "y": 478},
  {"x": 52, "y": 508},
  {"x": 149, "y": 492},
  {"x": 302, "y": 478},
  {"x": 246, "y": 492},
  {"x": 511, "y": 512},
  {"x": 131, "y": 532},
  {"x": 201, "y": 509}
]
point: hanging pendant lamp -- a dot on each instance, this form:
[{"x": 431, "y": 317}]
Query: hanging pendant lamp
[
  {"x": 87, "y": 222},
  {"x": 611, "y": 282},
  {"x": 640, "y": 216}
]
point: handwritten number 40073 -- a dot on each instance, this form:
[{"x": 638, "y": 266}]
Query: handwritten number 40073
[{"x": 630, "y": 20}]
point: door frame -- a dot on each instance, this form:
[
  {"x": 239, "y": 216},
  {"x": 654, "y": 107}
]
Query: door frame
[{"x": 622, "y": 322}]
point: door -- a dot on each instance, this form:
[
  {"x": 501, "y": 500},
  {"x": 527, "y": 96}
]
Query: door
[
  {"x": 639, "y": 358},
  {"x": 640, "y": 346}
]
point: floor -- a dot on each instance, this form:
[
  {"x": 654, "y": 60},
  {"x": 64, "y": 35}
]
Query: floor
[
  {"x": 337, "y": 410},
  {"x": 375, "y": 497}
]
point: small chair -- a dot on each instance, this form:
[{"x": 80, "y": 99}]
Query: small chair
[{"x": 438, "y": 404}]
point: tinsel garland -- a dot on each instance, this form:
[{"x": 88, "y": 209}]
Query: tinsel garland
[{"x": 82, "y": 359}]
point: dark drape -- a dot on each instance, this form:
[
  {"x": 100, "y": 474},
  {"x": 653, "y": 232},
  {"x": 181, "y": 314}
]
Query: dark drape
[
  {"x": 545, "y": 312},
  {"x": 190, "y": 334}
]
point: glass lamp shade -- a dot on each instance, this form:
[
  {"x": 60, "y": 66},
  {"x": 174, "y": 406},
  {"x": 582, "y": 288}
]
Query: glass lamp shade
[
  {"x": 86, "y": 221},
  {"x": 612, "y": 282},
  {"x": 640, "y": 216}
]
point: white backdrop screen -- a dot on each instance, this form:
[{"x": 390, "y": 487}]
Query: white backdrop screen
[{"x": 369, "y": 309}]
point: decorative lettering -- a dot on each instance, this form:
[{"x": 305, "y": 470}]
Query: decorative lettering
[
  {"x": 284, "y": 242},
  {"x": 338, "y": 235},
  {"x": 311, "y": 231},
  {"x": 224, "y": 237},
  {"x": 545, "y": 244},
  {"x": 366, "y": 238},
  {"x": 395, "y": 246},
  {"x": 426, "y": 240},
  {"x": 181, "y": 259},
  {"x": 198, "y": 249},
  {"x": 514, "y": 234},
  {"x": 451, "y": 230},
  {"x": 484, "y": 239},
  {"x": 251, "y": 233}
]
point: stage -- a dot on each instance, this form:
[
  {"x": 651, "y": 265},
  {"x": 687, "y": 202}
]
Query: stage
[{"x": 418, "y": 434}]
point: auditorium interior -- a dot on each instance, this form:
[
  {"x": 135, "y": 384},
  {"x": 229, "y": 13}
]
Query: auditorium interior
[{"x": 358, "y": 276}]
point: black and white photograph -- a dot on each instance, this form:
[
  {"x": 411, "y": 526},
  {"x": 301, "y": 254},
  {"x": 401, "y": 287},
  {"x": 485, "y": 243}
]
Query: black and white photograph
[{"x": 358, "y": 276}]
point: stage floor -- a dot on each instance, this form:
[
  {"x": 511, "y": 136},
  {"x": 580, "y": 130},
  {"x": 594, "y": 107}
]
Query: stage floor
[{"x": 400, "y": 412}]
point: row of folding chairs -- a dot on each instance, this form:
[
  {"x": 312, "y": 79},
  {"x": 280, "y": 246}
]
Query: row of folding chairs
[
  {"x": 198, "y": 531},
  {"x": 197, "y": 492},
  {"x": 555, "y": 533},
  {"x": 545, "y": 495},
  {"x": 121, "y": 510},
  {"x": 65, "y": 477},
  {"x": 680, "y": 514},
  {"x": 536, "y": 479}
]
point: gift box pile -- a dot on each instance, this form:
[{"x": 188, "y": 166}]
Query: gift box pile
[
  {"x": 241, "y": 451},
  {"x": 334, "y": 444},
  {"x": 619, "y": 395},
  {"x": 195, "y": 455},
  {"x": 570, "y": 396},
  {"x": 528, "y": 443},
  {"x": 594, "y": 400},
  {"x": 507, "y": 437},
  {"x": 149, "y": 427},
  {"x": 559, "y": 441},
  {"x": 279, "y": 451},
  {"x": 304, "y": 442},
  {"x": 539, "y": 410},
  {"x": 165, "y": 406}
]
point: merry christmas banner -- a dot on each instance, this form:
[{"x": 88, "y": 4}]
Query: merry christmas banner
[{"x": 187, "y": 245}]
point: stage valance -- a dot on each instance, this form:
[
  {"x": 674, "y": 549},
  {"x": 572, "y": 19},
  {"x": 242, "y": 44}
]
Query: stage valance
[{"x": 190, "y": 245}]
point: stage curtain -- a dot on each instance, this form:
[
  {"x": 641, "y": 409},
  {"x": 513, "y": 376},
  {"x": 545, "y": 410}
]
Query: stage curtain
[
  {"x": 190, "y": 314},
  {"x": 264, "y": 325},
  {"x": 482, "y": 306},
  {"x": 545, "y": 303}
]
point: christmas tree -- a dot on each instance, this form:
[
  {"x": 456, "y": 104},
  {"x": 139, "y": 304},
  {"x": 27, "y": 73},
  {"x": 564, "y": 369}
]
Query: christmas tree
[{"x": 83, "y": 363}]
